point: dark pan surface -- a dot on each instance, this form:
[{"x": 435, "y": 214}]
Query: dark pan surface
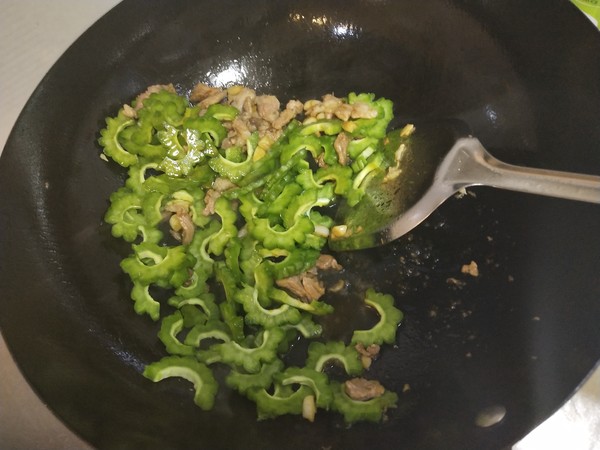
[{"x": 525, "y": 76}]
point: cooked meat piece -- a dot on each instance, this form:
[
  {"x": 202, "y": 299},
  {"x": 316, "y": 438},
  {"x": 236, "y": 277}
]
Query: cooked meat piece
[
  {"x": 222, "y": 184},
  {"x": 249, "y": 107},
  {"x": 273, "y": 134},
  {"x": 372, "y": 351},
  {"x": 323, "y": 109},
  {"x": 177, "y": 207},
  {"x": 182, "y": 226},
  {"x": 321, "y": 160},
  {"x": 313, "y": 286},
  {"x": 238, "y": 95},
  {"x": 139, "y": 100},
  {"x": 331, "y": 103},
  {"x": 295, "y": 106},
  {"x": 361, "y": 110},
  {"x": 212, "y": 99},
  {"x": 128, "y": 111},
  {"x": 367, "y": 354},
  {"x": 292, "y": 109},
  {"x": 268, "y": 107},
  {"x": 259, "y": 124},
  {"x": 326, "y": 262},
  {"x": 241, "y": 130},
  {"x": 362, "y": 389},
  {"x": 219, "y": 186},
  {"x": 312, "y": 108},
  {"x": 341, "y": 146},
  {"x": 292, "y": 284},
  {"x": 470, "y": 269},
  {"x": 209, "y": 201},
  {"x": 306, "y": 285},
  {"x": 343, "y": 112},
  {"x": 332, "y": 106},
  {"x": 202, "y": 91},
  {"x": 187, "y": 228}
]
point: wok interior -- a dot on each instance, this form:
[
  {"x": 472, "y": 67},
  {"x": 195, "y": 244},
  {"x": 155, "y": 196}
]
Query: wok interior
[{"x": 520, "y": 335}]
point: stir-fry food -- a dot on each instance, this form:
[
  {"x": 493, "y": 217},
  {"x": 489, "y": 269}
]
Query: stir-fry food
[{"x": 227, "y": 206}]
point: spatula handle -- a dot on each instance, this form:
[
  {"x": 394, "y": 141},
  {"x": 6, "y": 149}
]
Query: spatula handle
[{"x": 473, "y": 165}]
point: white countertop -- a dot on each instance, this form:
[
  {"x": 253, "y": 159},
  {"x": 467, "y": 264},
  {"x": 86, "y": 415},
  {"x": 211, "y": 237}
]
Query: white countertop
[{"x": 33, "y": 34}]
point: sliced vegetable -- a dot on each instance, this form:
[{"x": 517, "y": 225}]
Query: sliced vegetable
[
  {"x": 248, "y": 209},
  {"x": 250, "y": 358},
  {"x": 315, "y": 380},
  {"x": 320, "y": 354},
  {"x": 144, "y": 303},
  {"x": 357, "y": 410},
  {"x": 109, "y": 140},
  {"x": 170, "y": 327},
  {"x": 389, "y": 319},
  {"x": 282, "y": 401},
  {"x": 242, "y": 382},
  {"x": 164, "y": 266},
  {"x": 205, "y": 384},
  {"x": 268, "y": 318}
]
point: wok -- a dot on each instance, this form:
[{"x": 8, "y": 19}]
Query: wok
[{"x": 523, "y": 334}]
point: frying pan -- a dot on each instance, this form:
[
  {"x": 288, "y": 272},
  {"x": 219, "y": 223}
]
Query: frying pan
[{"x": 523, "y": 334}]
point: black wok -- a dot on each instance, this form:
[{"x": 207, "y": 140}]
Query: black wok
[{"x": 523, "y": 334}]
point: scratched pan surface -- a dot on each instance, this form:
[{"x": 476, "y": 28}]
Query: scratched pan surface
[{"x": 525, "y": 76}]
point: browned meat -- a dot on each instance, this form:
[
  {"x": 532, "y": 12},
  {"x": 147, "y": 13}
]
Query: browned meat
[
  {"x": 322, "y": 109},
  {"x": 362, "y": 389},
  {"x": 470, "y": 269},
  {"x": 292, "y": 109},
  {"x": 341, "y": 146},
  {"x": 182, "y": 226},
  {"x": 268, "y": 107},
  {"x": 313, "y": 286},
  {"x": 187, "y": 228},
  {"x": 237, "y": 96},
  {"x": 321, "y": 160},
  {"x": 212, "y": 99},
  {"x": 202, "y": 91},
  {"x": 177, "y": 207},
  {"x": 210, "y": 198},
  {"x": 361, "y": 110},
  {"x": 372, "y": 351},
  {"x": 330, "y": 104},
  {"x": 343, "y": 112},
  {"x": 327, "y": 262},
  {"x": 128, "y": 111},
  {"x": 367, "y": 354},
  {"x": 219, "y": 186},
  {"x": 306, "y": 286},
  {"x": 241, "y": 130},
  {"x": 222, "y": 184},
  {"x": 292, "y": 284}
]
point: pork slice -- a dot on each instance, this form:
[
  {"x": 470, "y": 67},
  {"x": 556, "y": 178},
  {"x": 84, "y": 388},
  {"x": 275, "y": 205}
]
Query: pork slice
[
  {"x": 267, "y": 107},
  {"x": 203, "y": 91},
  {"x": 328, "y": 262},
  {"x": 362, "y": 389},
  {"x": 341, "y": 147}
]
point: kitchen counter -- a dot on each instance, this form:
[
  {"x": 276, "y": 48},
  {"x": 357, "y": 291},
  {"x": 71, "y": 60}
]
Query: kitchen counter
[{"x": 33, "y": 34}]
